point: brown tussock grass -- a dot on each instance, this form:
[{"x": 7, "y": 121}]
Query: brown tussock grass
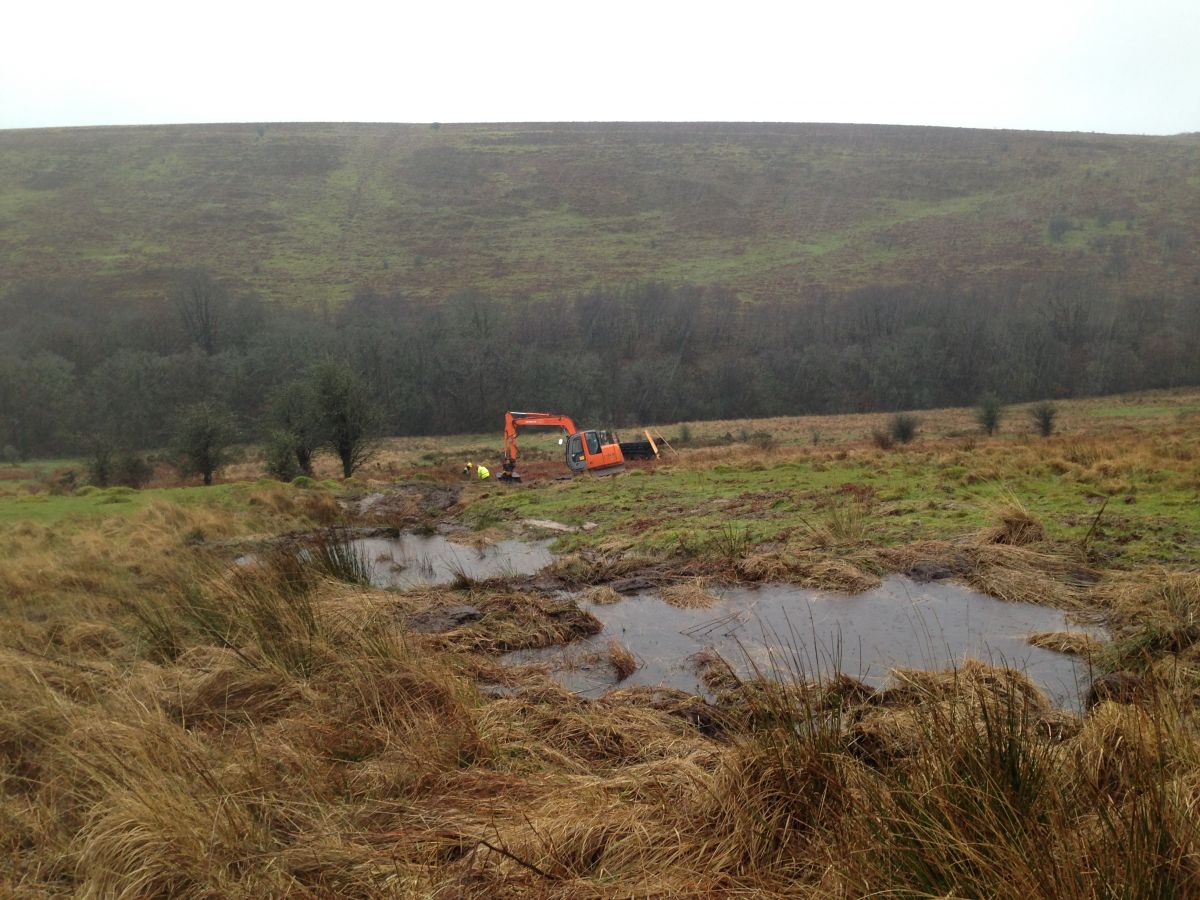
[
  {"x": 1016, "y": 526},
  {"x": 624, "y": 663},
  {"x": 1076, "y": 643},
  {"x": 1118, "y": 747},
  {"x": 692, "y": 594},
  {"x": 217, "y": 689},
  {"x": 838, "y": 575},
  {"x": 1155, "y": 596},
  {"x": 1020, "y": 574},
  {"x": 516, "y": 621},
  {"x": 580, "y": 735},
  {"x": 715, "y": 671},
  {"x": 766, "y": 566},
  {"x": 972, "y": 682},
  {"x": 384, "y": 771},
  {"x": 91, "y": 638},
  {"x": 1056, "y": 576},
  {"x": 807, "y": 569},
  {"x": 478, "y": 540},
  {"x": 602, "y": 595},
  {"x": 590, "y": 567}
]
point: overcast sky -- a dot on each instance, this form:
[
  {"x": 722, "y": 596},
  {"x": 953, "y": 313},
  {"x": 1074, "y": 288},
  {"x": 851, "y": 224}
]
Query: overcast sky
[{"x": 1063, "y": 65}]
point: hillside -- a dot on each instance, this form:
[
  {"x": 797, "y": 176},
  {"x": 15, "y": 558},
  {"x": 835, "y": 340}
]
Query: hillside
[{"x": 310, "y": 213}]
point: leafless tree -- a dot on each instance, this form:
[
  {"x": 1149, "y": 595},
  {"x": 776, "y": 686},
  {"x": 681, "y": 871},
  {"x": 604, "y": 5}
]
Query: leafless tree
[{"x": 202, "y": 304}]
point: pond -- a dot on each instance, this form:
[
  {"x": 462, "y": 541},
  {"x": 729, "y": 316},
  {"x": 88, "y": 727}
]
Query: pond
[
  {"x": 413, "y": 560},
  {"x": 780, "y": 630}
]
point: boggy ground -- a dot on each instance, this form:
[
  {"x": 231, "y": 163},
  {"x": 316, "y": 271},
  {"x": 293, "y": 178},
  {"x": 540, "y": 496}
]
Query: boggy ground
[{"x": 174, "y": 725}]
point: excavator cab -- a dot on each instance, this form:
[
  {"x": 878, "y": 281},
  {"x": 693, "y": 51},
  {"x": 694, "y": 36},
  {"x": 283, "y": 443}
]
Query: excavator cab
[{"x": 592, "y": 451}]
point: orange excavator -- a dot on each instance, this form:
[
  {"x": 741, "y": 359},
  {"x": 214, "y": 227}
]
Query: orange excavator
[{"x": 595, "y": 450}]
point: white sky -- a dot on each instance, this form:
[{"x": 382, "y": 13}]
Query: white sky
[{"x": 1063, "y": 65}]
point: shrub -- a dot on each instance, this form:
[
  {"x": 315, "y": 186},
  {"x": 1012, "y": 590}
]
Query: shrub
[
  {"x": 296, "y": 421},
  {"x": 62, "y": 481},
  {"x": 9, "y": 454},
  {"x": 132, "y": 470},
  {"x": 763, "y": 440},
  {"x": 1043, "y": 415},
  {"x": 203, "y": 435},
  {"x": 989, "y": 413},
  {"x": 101, "y": 463},
  {"x": 903, "y": 428},
  {"x": 281, "y": 457},
  {"x": 882, "y": 439}
]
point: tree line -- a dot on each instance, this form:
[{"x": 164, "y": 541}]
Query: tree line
[{"x": 78, "y": 367}]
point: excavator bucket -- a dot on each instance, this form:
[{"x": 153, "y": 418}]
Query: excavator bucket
[{"x": 646, "y": 449}]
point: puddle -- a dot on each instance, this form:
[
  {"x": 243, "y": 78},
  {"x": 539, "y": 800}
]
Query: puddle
[
  {"x": 413, "y": 560},
  {"x": 780, "y": 628}
]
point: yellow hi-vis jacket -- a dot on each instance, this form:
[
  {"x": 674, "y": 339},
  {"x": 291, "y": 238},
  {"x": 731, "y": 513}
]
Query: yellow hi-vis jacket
[{"x": 483, "y": 472}]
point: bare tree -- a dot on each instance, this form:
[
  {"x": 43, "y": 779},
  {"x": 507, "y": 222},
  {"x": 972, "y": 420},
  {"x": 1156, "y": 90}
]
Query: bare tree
[{"x": 203, "y": 305}]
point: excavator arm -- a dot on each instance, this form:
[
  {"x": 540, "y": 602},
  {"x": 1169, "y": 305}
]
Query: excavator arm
[
  {"x": 515, "y": 420},
  {"x": 596, "y": 451}
]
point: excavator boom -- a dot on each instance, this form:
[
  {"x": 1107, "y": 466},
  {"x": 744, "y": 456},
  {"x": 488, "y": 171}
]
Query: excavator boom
[{"x": 515, "y": 420}]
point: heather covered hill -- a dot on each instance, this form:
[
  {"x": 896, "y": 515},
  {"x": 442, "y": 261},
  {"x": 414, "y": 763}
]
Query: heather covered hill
[{"x": 310, "y": 214}]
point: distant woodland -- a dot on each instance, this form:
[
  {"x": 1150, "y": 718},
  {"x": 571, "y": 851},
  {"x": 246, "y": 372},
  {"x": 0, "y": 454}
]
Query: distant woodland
[
  {"x": 74, "y": 371},
  {"x": 620, "y": 273}
]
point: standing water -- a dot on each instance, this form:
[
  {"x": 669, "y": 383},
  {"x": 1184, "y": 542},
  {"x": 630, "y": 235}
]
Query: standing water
[
  {"x": 783, "y": 630},
  {"x": 412, "y": 560}
]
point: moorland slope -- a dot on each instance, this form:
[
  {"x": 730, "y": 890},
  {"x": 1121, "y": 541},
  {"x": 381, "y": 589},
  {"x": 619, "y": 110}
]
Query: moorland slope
[{"x": 310, "y": 213}]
